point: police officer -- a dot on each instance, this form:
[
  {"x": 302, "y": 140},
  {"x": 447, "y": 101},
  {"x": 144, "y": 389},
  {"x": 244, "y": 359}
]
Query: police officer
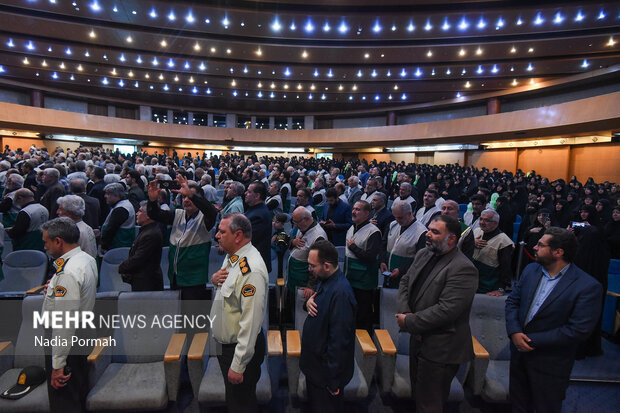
[
  {"x": 238, "y": 311},
  {"x": 72, "y": 288}
]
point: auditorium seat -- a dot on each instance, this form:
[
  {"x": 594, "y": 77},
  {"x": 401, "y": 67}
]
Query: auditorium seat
[
  {"x": 462, "y": 210},
  {"x": 611, "y": 310},
  {"x": 142, "y": 371},
  {"x": 488, "y": 325},
  {"x": 393, "y": 354},
  {"x": 515, "y": 227},
  {"x": 23, "y": 270},
  {"x": 206, "y": 376},
  {"x": 365, "y": 360},
  {"x": 164, "y": 266},
  {"x": 216, "y": 261},
  {"x": 14, "y": 357},
  {"x": 109, "y": 278}
]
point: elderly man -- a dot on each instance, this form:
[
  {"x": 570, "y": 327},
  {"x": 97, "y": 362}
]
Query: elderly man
[
  {"x": 26, "y": 232},
  {"x": 260, "y": 217},
  {"x": 234, "y": 193},
  {"x": 72, "y": 206},
  {"x": 337, "y": 219},
  {"x": 136, "y": 193},
  {"x": 370, "y": 191},
  {"x": 142, "y": 267},
  {"x": 92, "y": 208},
  {"x": 118, "y": 229},
  {"x": 274, "y": 199},
  {"x": 381, "y": 216},
  {"x": 466, "y": 241},
  {"x": 404, "y": 194},
  {"x": 406, "y": 236},
  {"x": 238, "y": 310},
  {"x": 190, "y": 238},
  {"x": 434, "y": 302},
  {"x": 298, "y": 273},
  {"x": 54, "y": 191},
  {"x": 354, "y": 192},
  {"x": 361, "y": 263},
  {"x": 7, "y": 207},
  {"x": 426, "y": 214},
  {"x": 208, "y": 189},
  {"x": 303, "y": 199},
  {"x": 492, "y": 255},
  {"x": 318, "y": 197}
]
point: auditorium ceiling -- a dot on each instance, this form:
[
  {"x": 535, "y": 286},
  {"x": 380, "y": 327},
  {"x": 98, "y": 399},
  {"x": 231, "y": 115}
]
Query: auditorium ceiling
[{"x": 312, "y": 56}]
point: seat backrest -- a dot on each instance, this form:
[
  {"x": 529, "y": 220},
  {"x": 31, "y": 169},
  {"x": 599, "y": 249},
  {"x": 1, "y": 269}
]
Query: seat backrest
[
  {"x": 341, "y": 253},
  {"x": 145, "y": 342},
  {"x": 300, "y": 314},
  {"x": 487, "y": 321},
  {"x": 109, "y": 278},
  {"x": 387, "y": 310},
  {"x": 106, "y": 305},
  {"x": 614, "y": 267},
  {"x": 27, "y": 353},
  {"x": 164, "y": 266},
  {"x": 23, "y": 270}
]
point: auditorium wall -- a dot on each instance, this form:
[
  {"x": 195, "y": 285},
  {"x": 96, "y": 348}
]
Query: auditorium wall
[
  {"x": 500, "y": 159},
  {"x": 601, "y": 162}
]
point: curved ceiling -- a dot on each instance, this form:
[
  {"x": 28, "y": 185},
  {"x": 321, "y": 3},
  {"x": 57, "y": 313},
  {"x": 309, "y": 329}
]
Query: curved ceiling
[{"x": 317, "y": 56}]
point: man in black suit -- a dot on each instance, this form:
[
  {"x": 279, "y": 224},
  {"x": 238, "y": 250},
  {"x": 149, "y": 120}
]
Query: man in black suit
[
  {"x": 93, "y": 210},
  {"x": 96, "y": 191},
  {"x": 434, "y": 300},
  {"x": 260, "y": 217},
  {"x": 554, "y": 307}
]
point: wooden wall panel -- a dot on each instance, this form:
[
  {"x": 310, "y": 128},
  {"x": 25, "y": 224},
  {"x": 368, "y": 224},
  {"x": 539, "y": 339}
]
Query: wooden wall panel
[
  {"x": 24, "y": 143},
  {"x": 551, "y": 162},
  {"x": 601, "y": 162},
  {"x": 503, "y": 159},
  {"x": 449, "y": 157}
]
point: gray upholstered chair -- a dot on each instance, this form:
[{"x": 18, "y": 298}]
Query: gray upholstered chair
[
  {"x": 365, "y": 359},
  {"x": 142, "y": 371},
  {"x": 393, "y": 354},
  {"x": 23, "y": 270},
  {"x": 13, "y": 358},
  {"x": 164, "y": 266},
  {"x": 109, "y": 278},
  {"x": 206, "y": 376},
  {"x": 490, "y": 376}
]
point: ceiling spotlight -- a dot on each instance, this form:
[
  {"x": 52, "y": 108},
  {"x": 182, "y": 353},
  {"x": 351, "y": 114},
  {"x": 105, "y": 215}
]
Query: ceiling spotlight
[
  {"x": 539, "y": 20},
  {"x": 514, "y": 82},
  {"x": 373, "y": 73},
  {"x": 446, "y": 25},
  {"x": 480, "y": 70},
  {"x": 377, "y": 27},
  {"x": 429, "y": 53},
  {"x": 494, "y": 69},
  {"x": 276, "y": 26},
  {"x": 478, "y": 51},
  {"x": 558, "y": 19},
  {"x": 428, "y": 26},
  {"x": 171, "y": 16},
  {"x": 481, "y": 24},
  {"x": 68, "y": 51},
  {"x": 585, "y": 64},
  {"x": 462, "y": 52},
  {"x": 259, "y": 52},
  {"x": 170, "y": 63},
  {"x": 529, "y": 67},
  {"x": 304, "y": 54},
  {"x": 163, "y": 43},
  {"x": 62, "y": 65},
  {"x": 186, "y": 66},
  {"x": 94, "y": 6},
  {"x": 611, "y": 42},
  {"x": 411, "y": 27},
  {"x": 326, "y": 27},
  {"x": 139, "y": 60},
  {"x": 403, "y": 97},
  {"x": 343, "y": 28},
  {"x": 26, "y": 61},
  {"x": 467, "y": 84},
  {"x": 122, "y": 57},
  {"x": 10, "y": 43},
  {"x": 213, "y": 50},
  {"x": 80, "y": 68},
  {"x": 403, "y": 73},
  {"x": 92, "y": 34},
  {"x": 129, "y": 39},
  {"x": 354, "y": 88},
  {"x": 309, "y": 27},
  {"x": 153, "y": 14},
  {"x": 389, "y": 73},
  {"x": 190, "y": 18},
  {"x": 202, "y": 66},
  {"x": 513, "y": 50},
  {"x": 463, "y": 24},
  {"x": 293, "y": 27},
  {"x": 155, "y": 62},
  {"x": 330, "y": 73},
  {"x": 601, "y": 15},
  {"x": 359, "y": 73},
  {"x": 44, "y": 63},
  {"x": 519, "y": 21},
  {"x": 225, "y": 22}
]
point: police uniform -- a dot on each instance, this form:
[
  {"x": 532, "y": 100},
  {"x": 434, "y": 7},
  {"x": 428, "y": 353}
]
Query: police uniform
[
  {"x": 239, "y": 310},
  {"x": 72, "y": 288}
]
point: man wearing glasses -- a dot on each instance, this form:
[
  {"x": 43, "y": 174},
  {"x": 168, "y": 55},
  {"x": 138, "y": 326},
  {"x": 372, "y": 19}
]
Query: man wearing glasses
[{"x": 554, "y": 307}]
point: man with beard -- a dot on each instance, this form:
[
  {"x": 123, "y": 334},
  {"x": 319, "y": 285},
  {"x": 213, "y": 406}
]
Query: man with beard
[
  {"x": 554, "y": 307},
  {"x": 434, "y": 301}
]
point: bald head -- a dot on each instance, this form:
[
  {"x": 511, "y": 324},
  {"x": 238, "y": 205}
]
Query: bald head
[{"x": 302, "y": 218}]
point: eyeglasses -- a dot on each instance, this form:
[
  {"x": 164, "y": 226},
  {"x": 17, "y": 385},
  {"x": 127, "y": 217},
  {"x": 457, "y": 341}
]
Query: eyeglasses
[
  {"x": 311, "y": 267},
  {"x": 541, "y": 245}
]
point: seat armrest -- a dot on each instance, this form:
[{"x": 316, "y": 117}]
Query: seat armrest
[
  {"x": 293, "y": 354},
  {"x": 102, "y": 344},
  {"x": 172, "y": 364},
  {"x": 293, "y": 344},
  {"x": 196, "y": 357},
  {"x": 280, "y": 282},
  {"x": 274, "y": 343},
  {"x": 365, "y": 354},
  {"x": 35, "y": 290},
  {"x": 386, "y": 360},
  {"x": 6, "y": 356},
  {"x": 479, "y": 366},
  {"x": 479, "y": 351},
  {"x": 613, "y": 294}
]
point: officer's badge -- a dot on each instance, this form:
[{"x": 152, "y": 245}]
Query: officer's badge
[
  {"x": 59, "y": 263},
  {"x": 248, "y": 290},
  {"x": 60, "y": 291},
  {"x": 234, "y": 258},
  {"x": 243, "y": 265}
]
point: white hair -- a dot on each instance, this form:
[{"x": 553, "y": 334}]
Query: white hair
[
  {"x": 492, "y": 212},
  {"x": 73, "y": 204},
  {"x": 402, "y": 206}
]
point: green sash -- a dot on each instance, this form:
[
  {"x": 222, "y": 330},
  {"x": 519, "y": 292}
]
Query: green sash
[{"x": 360, "y": 275}]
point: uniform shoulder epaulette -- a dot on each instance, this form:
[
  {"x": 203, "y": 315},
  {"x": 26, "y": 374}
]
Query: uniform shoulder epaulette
[{"x": 243, "y": 265}]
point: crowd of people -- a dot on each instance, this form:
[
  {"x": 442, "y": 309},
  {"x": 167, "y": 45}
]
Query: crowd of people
[{"x": 398, "y": 222}]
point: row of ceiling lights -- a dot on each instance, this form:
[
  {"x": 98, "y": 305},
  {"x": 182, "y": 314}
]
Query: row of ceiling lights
[{"x": 309, "y": 25}]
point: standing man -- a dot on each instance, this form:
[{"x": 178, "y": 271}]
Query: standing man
[
  {"x": 238, "y": 311},
  {"x": 54, "y": 190},
  {"x": 405, "y": 238},
  {"x": 361, "y": 263},
  {"x": 274, "y": 200},
  {"x": 492, "y": 255},
  {"x": 381, "y": 216},
  {"x": 466, "y": 242},
  {"x": 92, "y": 209},
  {"x": 554, "y": 307},
  {"x": 354, "y": 192},
  {"x": 337, "y": 218},
  {"x": 371, "y": 190},
  {"x": 235, "y": 190},
  {"x": 142, "y": 267},
  {"x": 426, "y": 214},
  {"x": 135, "y": 195},
  {"x": 260, "y": 218},
  {"x": 118, "y": 229},
  {"x": 434, "y": 301},
  {"x": 328, "y": 338},
  {"x": 73, "y": 206},
  {"x": 26, "y": 232},
  {"x": 72, "y": 288}
]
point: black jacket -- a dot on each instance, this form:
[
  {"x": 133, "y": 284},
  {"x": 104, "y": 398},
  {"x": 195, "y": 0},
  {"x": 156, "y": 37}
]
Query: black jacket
[
  {"x": 260, "y": 218},
  {"x": 143, "y": 264},
  {"x": 328, "y": 339},
  {"x": 92, "y": 210}
]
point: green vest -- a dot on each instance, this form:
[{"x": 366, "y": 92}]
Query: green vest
[
  {"x": 126, "y": 234},
  {"x": 33, "y": 240},
  {"x": 297, "y": 274},
  {"x": 361, "y": 275},
  {"x": 395, "y": 261},
  {"x": 191, "y": 263}
]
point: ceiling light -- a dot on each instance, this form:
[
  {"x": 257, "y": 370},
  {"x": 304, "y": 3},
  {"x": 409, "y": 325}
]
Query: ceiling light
[
  {"x": 448, "y": 71},
  {"x": 418, "y": 72},
  {"x": 330, "y": 73},
  {"x": 44, "y": 63},
  {"x": 601, "y": 15},
  {"x": 147, "y": 76},
  {"x": 122, "y": 57},
  {"x": 260, "y": 85},
  {"x": 62, "y": 65},
  {"x": 166, "y": 88},
  {"x": 478, "y": 51},
  {"x": 26, "y": 61},
  {"x": 429, "y": 53},
  {"x": 558, "y": 19},
  {"x": 171, "y": 16},
  {"x": 463, "y": 24},
  {"x": 10, "y": 43},
  {"x": 359, "y": 73},
  {"x": 513, "y": 50},
  {"x": 259, "y": 94},
  {"x": 276, "y": 26},
  {"x": 113, "y": 71},
  {"x": 121, "y": 83},
  {"x": 92, "y": 34},
  {"x": 139, "y": 60},
  {"x": 213, "y": 50},
  {"x": 326, "y": 27},
  {"x": 80, "y": 68},
  {"x": 446, "y": 25},
  {"x": 190, "y": 17},
  {"x": 529, "y": 67},
  {"x": 585, "y": 64},
  {"x": 312, "y": 87},
  {"x": 153, "y": 14},
  {"x": 161, "y": 76},
  {"x": 519, "y": 21},
  {"x": 293, "y": 27},
  {"x": 494, "y": 69},
  {"x": 403, "y": 73},
  {"x": 186, "y": 66},
  {"x": 340, "y": 87},
  {"x": 373, "y": 73},
  {"x": 130, "y": 74},
  {"x": 309, "y": 27},
  {"x": 611, "y": 42},
  {"x": 539, "y": 20},
  {"x": 176, "y": 78},
  {"x": 530, "y": 50},
  {"x": 299, "y": 86},
  {"x": 480, "y": 70},
  {"x": 273, "y": 85},
  {"x": 428, "y": 26},
  {"x": 163, "y": 43},
  {"x": 514, "y": 82},
  {"x": 304, "y": 54},
  {"x": 170, "y": 63},
  {"x": 403, "y": 97},
  {"x": 105, "y": 81},
  {"x": 202, "y": 66},
  {"x": 481, "y": 24},
  {"x": 377, "y": 27},
  {"x": 458, "y": 94},
  {"x": 462, "y": 52},
  {"x": 259, "y": 52},
  {"x": 68, "y": 51},
  {"x": 129, "y": 39},
  {"x": 225, "y": 22},
  {"x": 94, "y": 6},
  {"x": 467, "y": 84},
  {"x": 316, "y": 73},
  {"x": 389, "y": 73},
  {"x": 343, "y": 28}
]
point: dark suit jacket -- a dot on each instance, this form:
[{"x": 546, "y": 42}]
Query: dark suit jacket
[
  {"x": 143, "y": 262},
  {"x": 92, "y": 211},
  {"x": 341, "y": 215},
  {"x": 260, "y": 218},
  {"x": 440, "y": 316},
  {"x": 49, "y": 198},
  {"x": 566, "y": 318}
]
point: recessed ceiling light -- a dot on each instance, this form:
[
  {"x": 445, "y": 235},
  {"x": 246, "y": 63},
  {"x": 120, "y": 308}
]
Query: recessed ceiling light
[
  {"x": 129, "y": 39},
  {"x": 429, "y": 53},
  {"x": 611, "y": 42},
  {"x": 92, "y": 34},
  {"x": 462, "y": 52},
  {"x": 163, "y": 43},
  {"x": 304, "y": 54},
  {"x": 213, "y": 50},
  {"x": 366, "y": 55},
  {"x": 514, "y": 82},
  {"x": 513, "y": 50},
  {"x": 259, "y": 52},
  {"x": 478, "y": 51}
]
